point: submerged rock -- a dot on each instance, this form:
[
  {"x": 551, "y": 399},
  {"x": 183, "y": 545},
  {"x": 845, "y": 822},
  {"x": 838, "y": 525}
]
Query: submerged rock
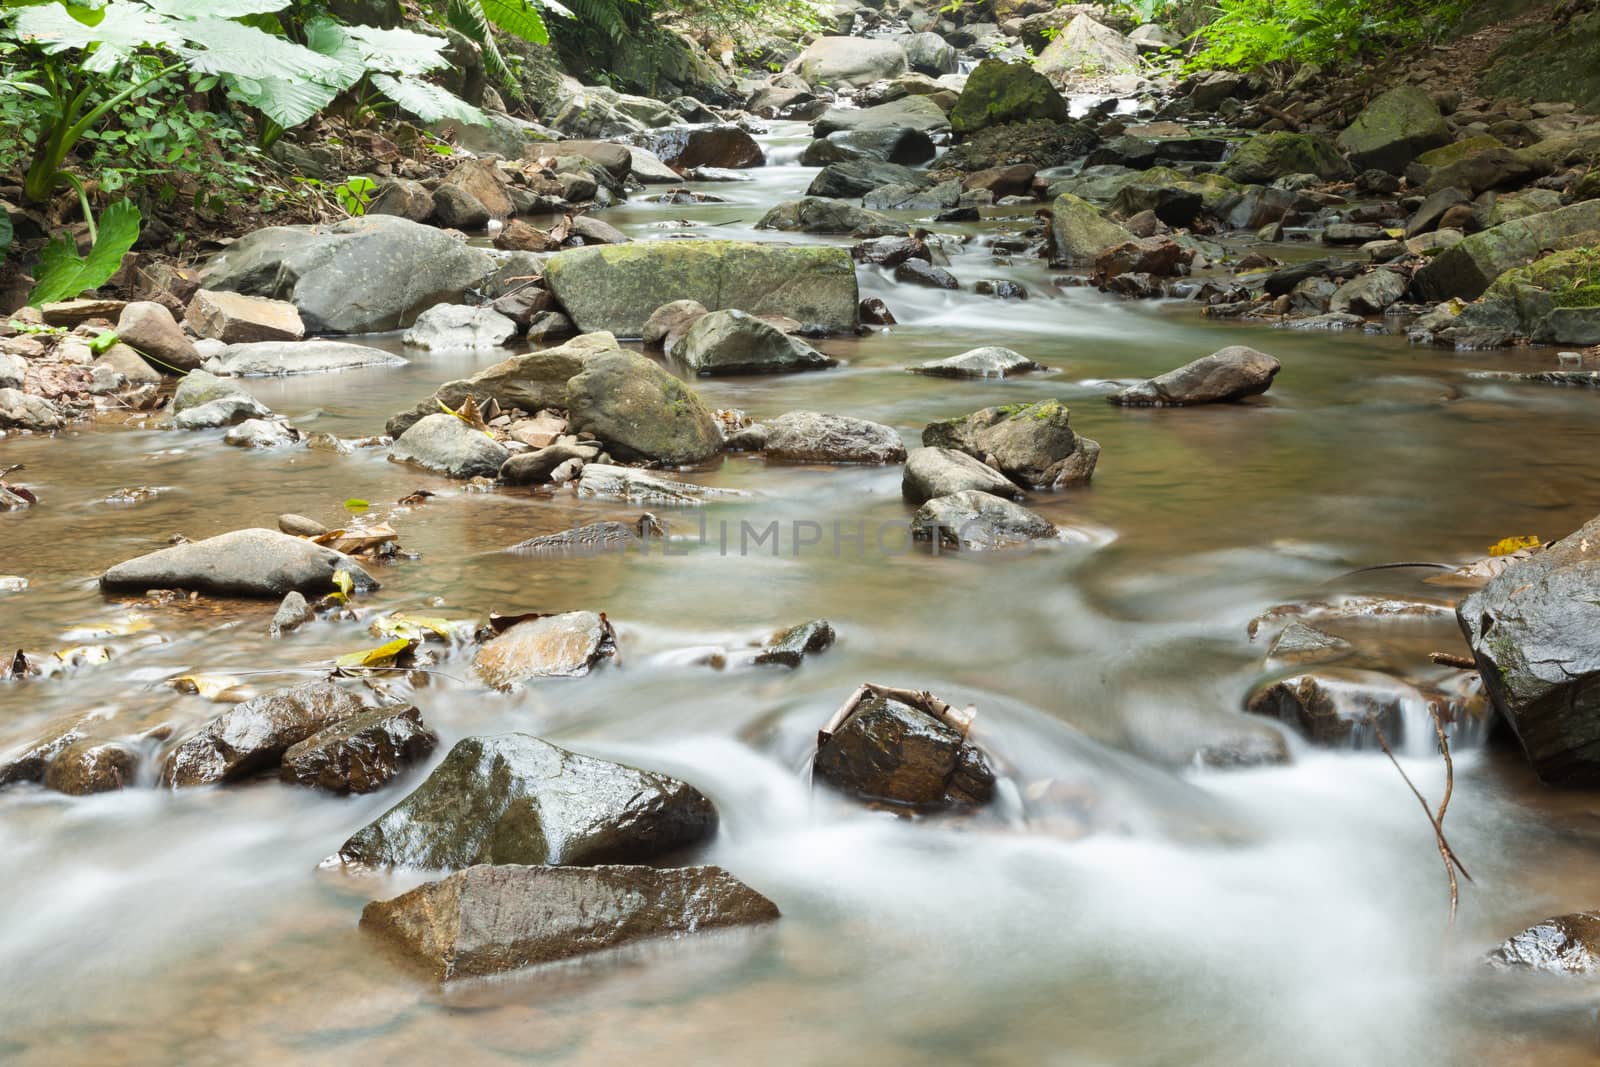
[
  {"x": 1337, "y": 707},
  {"x": 254, "y": 735},
  {"x": 641, "y": 487},
  {"x": 261, "y": 433},
  {"x": 204, "y": 401},
  {"x": 934, "y": 472},
  {"x": 513, "y": 798},
  {"x": 87, "y": 766},
  {"x": 816, "y": 437},
  {"x": 360, "y": 753},
  {"x": 256, "y": 562},
  {"x": 892, "y": 753},
  {"x": 1566, "y": 944},
  {"x": 976, "y": 520},
  {"x": 814, "y": 214},
  {"x": 292, "y": 614},
  {"x": 1299, "y": 643},
  {"x": 789, "y": 647},
  {"x": 1228, "y": 374},
  {"x": 1029, "y": 443},
  {"x": 732, "y": 342},
  {"x": 445, "y": 443},
  {"x": 1532, "y": 631},
  {"x": 991, "y": 361},
  {"x": 567, "y": 645},
  {"x": 29, "y": 761},
  {"x": 488, "y": 920}
]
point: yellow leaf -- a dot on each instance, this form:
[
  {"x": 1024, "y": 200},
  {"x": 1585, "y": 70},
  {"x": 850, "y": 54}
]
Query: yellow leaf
[
  {"x": 382, "y": 656},
  {"x": 123, "y": 627},
  {"x": 418, "y": 627},
  {"x": 1506, "y": 546},
  {"x": 344, "y": 583},
  {"x": 208, "y": 686}
]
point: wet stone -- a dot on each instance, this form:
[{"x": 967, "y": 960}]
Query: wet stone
[
  {"x": 254, "y": 735},
  {"x": 991, "y": 361},
  {"x": 488, "y": 920},
  {"x": 513, "y": 798},
  {"x": 87, "y": 766},
  {"x": 555, "y": 646},
  {"x": 892, "y": 753},
  {"x": 789, "y": 647},
  {"x": 1566, "y": 944},
  {"x": 361, "y": 753}
]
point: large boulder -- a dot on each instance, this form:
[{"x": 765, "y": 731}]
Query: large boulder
[
  {"x": 446, "y": 443},
  {"x": 275, "y": 358},
  {"x": 640, "y": 411},
  {"x": 249, "y": 563},
  {"x": 1267, "y": 157},
  {"x": 567, "y": 645},
  {"x": 204, "y": 401},
  {"x": 889, "y": 752},
  {"x": 1467, "y": 269},
  {"x": 1087, "y": 49},
  {"x": 487, "y": 920},
  {"x": 1032, "y": 444},
  {"x": 362, "y": 275},
  {"x": 733, "y": 342},
  {"x": 1228, "y": 374},
  {"x": 254, "y": 735},
  {"x": 512, "y": 798},
  {"x": 933, "y": 472},
  {"x": 850, "y": 62},
  {"x": 998, "y": 93},
  {"x": 482, "y": 180},
  {"x": 1395, "y": 128},
  {"x": 617, "y": 287},
  {"x": 906, "y": 113},
  {"x": 1532, "y": 631},
  {"x": 816, "y": 437},
  {"x": 975, "y": 520},
  {"x": 1078, "y": 232},
  {"x": 928, "y": 53},
  {"x": 531, "y": 381}
]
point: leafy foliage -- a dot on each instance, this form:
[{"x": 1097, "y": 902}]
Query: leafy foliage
[
  {"x": 1251, "y": 34},
  {"x": 61, "y": 274}
]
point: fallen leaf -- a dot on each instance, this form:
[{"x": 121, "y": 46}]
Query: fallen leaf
[
  {"x": 356, "y": 504},
  {"x": 1507, "y": 545},
  {"x": 383, "y": 656},
  {"x": 208, "y": 686},
  {"x": 356, "y": 542},
  {"x": 419, "y": 627}
]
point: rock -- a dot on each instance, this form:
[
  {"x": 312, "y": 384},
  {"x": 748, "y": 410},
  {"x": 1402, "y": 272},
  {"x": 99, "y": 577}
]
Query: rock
[
  {"x": 1492, "y": 168},
  {"x": 815, "y": 437},
  {"x": 536, "y": 468},
  {"x": 921, "y": 272},
  {"x": 858, "y": 177},
  {"x": 1432, "y": 209},
  {"x": 234, "y": 318},
  {"x": 1260, "y": 206},
  {"x": 1157, "y": 256},
  {"x": 261, "y": 433},
  {"x": 1086, "y": 49},
  {"x": 363, "y": 275},
  {"x": 892, "y": 753},
  {"x": 1531, "y": 630},
  {"x": 488, "y": 920},
  {"x": 732, "y": 342},
  {"x": 456, "y": 209},
  {"x": 403, "y": 197},
  {"x": 30, "y": 761},
  {"x": 1370, "y": 293},
  {"x": 531, "y": 381},
  {"x": 928, "y": 53},
  {"x": 70, "y": 313},
  {"x": 991, "y": 361},
  {"x": 1333, "y": 707},
  {"x": 228, "y": 410},
  {"x": 23, "y": 411},
  {"x": 1226, "y": 375},
  {"x": 481, "y": 180},
  {"x": 787, "y": 648},
  {"x": 150, "y": 328},
  {"x": 1566, "y": 944},
  {"x": 520, "y": 236},
  {"x": 550, "y": 646},
  {"x": 705, "y": 145},
  {"x": 292, "y": 614},
  {"x": 976, "y": 520},
  {"x": 616, "y": 288},
  {"x": 1212, "y": 90},
  {"x": 14, "y": 369},
  {"x": 1029, "y": 443},
  {"x": 457, "y": 326},
  {"x": 272, "y": 358},
  {"x": 360, "y": 753},
  {"x": 1467, "y": 269},
  {"x": 616, "y": 160},
  {"x": 1394, "y": 129},
  {"x": 668, "y": 323},
  {"x": 514, "y": 799},
  {"x": 998, "y": 93},
  {"x": 1266, "y": 157},
  {"x": 1078, "y": 232},
  {"x": 1351, "y": 233},
  {"x": 915, "y": 196},
  {"x": 640, "y": 411},
  {"x": 1015, "y": 180},
  {"x": 445, "y": 443},
  {"x": 934, "y": 472},
  {"x": 122, "y": 361},
  {"x": 649, "y": 168},
  {"x": 1152, "y": 38},
  {"x": 1299, "y": 643},
  {"x": 820, "y": 215},
  {"x": 244, "y": 563},
  {"x": 597, "y": 232},
  {"x": 254, "y": 735},
  {"x": 906, "y": 113},
  {"x": 1177, "y": 199},
  {"x": 904, "y": 146},
  {"x": 85, "y": 767},
  {"x": 850, "y": 62},
  {"x": 609, "y": 482}
]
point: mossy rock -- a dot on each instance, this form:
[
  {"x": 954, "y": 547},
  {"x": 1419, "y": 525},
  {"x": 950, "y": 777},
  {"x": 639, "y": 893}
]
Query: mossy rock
[
  {"x": 1468, "y": 269},
  {"x": 1537, "y": 64},
  {"x": 1078, "y": 232},
  {"x": 999, "y": 93},
  {"x": 1266, "y": 158},
  {"x": 1394, "y": 129},
  {"x": 1450, "y": 153}
]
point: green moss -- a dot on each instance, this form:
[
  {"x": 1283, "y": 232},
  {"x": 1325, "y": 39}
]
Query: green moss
[{"x": 999, "y": 93}]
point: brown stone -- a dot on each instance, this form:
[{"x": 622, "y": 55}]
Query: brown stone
[
  {"x": 893, "y": 753},
  {"x": 361, "y": 753},
  {"x": 235, "y": 319}
]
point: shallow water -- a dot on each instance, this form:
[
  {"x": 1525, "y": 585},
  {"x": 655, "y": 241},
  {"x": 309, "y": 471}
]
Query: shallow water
[{"x": 1288, "y": 914}]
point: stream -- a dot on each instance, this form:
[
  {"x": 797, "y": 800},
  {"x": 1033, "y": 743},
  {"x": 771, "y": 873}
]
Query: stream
[{"x": 1269, "y": 915}]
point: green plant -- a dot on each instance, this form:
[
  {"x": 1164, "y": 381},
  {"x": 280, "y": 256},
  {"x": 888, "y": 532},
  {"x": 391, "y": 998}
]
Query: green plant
[
  {"x": 1252, "y": 34},
  {"x": 62, "y": 274},
  {"x": 355, "y": 195}
]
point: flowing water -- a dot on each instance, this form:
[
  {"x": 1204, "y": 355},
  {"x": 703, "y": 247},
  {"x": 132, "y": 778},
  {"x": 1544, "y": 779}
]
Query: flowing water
[{"x": 1290, "y": 914}]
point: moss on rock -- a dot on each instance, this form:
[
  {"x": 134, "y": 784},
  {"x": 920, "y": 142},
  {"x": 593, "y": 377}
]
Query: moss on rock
[{"x": 999, "y": 93}]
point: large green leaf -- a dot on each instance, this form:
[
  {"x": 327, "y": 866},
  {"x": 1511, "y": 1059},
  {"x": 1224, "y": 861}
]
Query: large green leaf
[
  {"x": 226, "y": 47},
  {"x": 61, "y": 275},
  {"x": 326, "y": 37},
  {"x": 222, "y": 9},
  {"x": 287, "y": 103},
  {"x": 399, "y": 51},
  {"x": 122, "y": 27},
  {"x": 427, "y": 101},
  {"x": 519, "y": 17}
]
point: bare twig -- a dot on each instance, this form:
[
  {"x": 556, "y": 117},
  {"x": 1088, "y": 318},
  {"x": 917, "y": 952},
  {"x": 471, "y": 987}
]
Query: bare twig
[
  {"x": 1451, "y": 862},
  {"x": 958, "y": 719},
  {"x": 1453, "y": 659}
]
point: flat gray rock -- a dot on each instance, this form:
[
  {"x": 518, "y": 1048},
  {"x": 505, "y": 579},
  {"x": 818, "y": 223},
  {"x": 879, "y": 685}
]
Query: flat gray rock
[
  {"x": 991, "y": 361},
  {"x": 445, "y": 443},
  {"x": 256, "y": 562},
  {"x": 271, "y": 358}
]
